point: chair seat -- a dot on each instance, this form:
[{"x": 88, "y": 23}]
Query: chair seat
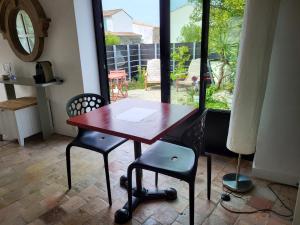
[
  {"x": 97, "y": 141},
  {"x": 167, "y": 158}
]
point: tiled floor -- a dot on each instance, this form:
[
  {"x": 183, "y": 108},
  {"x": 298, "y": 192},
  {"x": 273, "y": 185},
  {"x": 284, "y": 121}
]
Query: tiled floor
[{"x": 33, "y": 190}]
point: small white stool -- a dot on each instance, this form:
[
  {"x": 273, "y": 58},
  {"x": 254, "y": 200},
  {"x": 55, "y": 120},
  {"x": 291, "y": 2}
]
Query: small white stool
[{"x": 19, "y": 119}]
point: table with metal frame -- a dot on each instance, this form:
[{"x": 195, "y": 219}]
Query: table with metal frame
[{"x": 115, "y": 119}]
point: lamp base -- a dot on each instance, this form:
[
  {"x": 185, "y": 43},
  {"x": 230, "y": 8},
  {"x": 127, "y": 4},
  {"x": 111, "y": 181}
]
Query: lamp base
[{"x": 244, "y": 183}]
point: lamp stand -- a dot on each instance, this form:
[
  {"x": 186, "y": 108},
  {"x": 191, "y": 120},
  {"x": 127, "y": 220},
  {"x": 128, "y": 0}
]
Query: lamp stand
[{"x": 237, "y": 182}]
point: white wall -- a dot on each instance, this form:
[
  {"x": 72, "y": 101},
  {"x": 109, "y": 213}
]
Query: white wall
[
  {"x": 278, "y": 145},
  {"x": 109, "y": 24},
  {"x": 61, "y": 48},
  {"x": 122, "y": 22},
  {"x": 87, "y": 45},
  {"x": 145, "y": 31},
  {"x": 179, "y": 18}
]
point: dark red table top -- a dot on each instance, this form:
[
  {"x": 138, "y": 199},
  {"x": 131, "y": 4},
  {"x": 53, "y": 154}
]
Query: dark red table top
[{"x": 111, "y": 119}]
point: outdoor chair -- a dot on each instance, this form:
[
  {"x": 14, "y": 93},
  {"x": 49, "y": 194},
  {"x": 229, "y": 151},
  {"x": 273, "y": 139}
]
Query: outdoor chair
[
  {"x": 192, "y": 75},
  {"x": 152, "y": 75},
  {"x": 175, "y": 161},
  {"x": 91, "y": 140}
]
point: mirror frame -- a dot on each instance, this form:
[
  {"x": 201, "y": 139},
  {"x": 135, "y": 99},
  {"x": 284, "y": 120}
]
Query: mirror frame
[{"x": 8, "y": 13}]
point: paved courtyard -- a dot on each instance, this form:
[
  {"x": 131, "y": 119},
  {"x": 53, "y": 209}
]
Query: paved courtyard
[
  {"x": 154, "y": 94},
  {"x": 33, "y": 189}
]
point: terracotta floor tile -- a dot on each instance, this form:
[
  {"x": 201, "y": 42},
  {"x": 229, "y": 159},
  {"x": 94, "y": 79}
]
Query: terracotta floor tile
[
  {"x": 260, "y": 203},
  {"x": 257, "y": 219},
  {"x": 276, "y": 220},
  {"x": 216, "y": 220},
  {"x": 34, "y": 190},
  {"x": 73, "y": 204},
  {"x": 151, "y": 221},
  {"x": 94, "y": 206},
  {"x": 53, "y": 216}
]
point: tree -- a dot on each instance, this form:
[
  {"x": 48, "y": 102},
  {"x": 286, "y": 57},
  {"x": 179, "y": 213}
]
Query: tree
[
  {"x": 225, "y": 26},
  {"x": 190, "y": 33},
  {"x": 111, "y": 39},
  {"x": 230, "y": 8},
  {"x": 180, "y": 56}
]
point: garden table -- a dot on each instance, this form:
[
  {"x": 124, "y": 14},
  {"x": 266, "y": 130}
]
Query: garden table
[
  {"x": 118, "y": 84},
  {"x": 140, "y": 121}
]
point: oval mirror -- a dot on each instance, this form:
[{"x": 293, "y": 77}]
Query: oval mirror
[
  {"x": 24, "y": 24},
  {"x": 25, "y": 31}
]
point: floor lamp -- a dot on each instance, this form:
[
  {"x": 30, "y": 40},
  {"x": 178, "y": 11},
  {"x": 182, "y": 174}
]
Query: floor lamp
[{"x": 237, "y": 182}]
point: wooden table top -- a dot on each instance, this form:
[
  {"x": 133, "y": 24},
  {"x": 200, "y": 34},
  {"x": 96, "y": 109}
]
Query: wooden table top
[{"x": 124, "y": 119}]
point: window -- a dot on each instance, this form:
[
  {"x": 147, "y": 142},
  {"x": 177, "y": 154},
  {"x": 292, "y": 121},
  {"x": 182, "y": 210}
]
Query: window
[
  {"x": 25, "y": 31},
  {"x": 132, "y": 49},
  {"x": 226, "y": 18},
  {"x": 185, "y": 53}
]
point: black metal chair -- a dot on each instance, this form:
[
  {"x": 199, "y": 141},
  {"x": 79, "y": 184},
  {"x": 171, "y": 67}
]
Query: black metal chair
[
  {"x": 91, "y": 140},
  {"x": 175, "y": 161}
]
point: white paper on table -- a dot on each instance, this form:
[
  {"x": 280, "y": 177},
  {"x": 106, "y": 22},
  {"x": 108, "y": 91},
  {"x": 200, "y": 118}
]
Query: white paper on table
[{"x": 135, "y": 114}]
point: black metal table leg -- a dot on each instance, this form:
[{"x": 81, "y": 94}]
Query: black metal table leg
[
  {"x": 141, "y": 194},
  {"x": 139, "y": 172}
]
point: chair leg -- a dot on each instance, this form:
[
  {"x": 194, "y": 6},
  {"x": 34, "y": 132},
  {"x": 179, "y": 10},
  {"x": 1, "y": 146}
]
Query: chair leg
[
  {"x": 129, "y": 190},
  {"x": 156, "y": 179},
  {"x": 107, "y": 178},
  {"x": 68, "y": 161},
  {"x": 192, "y": 202},
  {"x": 208, "y": 176}
]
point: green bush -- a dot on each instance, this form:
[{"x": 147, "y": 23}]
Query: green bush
[
  {"x": 141, "y": 74},
  {"x": 190, "y": 33},
  {"x": 111, "y": 39},
  {"x": 139, "y": 82},
  {"x": 180, "y": 56},
  {"x": 211, "y": 103}
]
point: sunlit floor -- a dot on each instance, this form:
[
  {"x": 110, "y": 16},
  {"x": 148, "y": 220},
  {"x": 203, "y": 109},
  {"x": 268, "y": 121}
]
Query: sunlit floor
[{"x": 33, "y": 189}]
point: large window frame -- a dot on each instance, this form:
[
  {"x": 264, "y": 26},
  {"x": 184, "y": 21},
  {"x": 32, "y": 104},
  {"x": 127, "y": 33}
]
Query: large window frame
[{"x": 165, "y": 19}]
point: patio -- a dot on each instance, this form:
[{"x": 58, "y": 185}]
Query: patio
[
  {"x": 181, "y": 97},
  {"x": 33, "y": 189},
  {"x": 153, "y": 94}
]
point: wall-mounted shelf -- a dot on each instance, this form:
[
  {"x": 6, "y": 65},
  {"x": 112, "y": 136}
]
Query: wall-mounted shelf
[
  {"x": 29, "y": 82},
  {"x": 42, "y": 102}
]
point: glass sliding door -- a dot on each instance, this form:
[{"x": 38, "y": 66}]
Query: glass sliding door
[
  {"x": 185, "y": 52},
  {"x": 131, "y": 30},
  {"x": 226, "y": 18},
  {"x": 150, "y": 54}
]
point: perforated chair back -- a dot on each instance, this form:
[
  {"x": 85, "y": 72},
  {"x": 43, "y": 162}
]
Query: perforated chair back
[
  {"x": 193, "y": 137},
  {"x": 84, "y": 103}
]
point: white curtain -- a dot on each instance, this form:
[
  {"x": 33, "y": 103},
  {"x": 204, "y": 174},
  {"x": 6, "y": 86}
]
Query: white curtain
[{"x": 254, "y": 57}]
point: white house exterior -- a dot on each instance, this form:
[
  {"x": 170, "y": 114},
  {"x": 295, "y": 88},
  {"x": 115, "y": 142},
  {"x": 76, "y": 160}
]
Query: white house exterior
[
  {"x": 117, "y": 20},
  {"x": 150, "y": 34},
  {"x": 179, "y": 18},
  {"x": 120, "y": 23}
]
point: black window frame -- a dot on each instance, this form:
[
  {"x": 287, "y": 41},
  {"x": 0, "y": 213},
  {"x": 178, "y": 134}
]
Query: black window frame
[{"x": 165, "y": 19}]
